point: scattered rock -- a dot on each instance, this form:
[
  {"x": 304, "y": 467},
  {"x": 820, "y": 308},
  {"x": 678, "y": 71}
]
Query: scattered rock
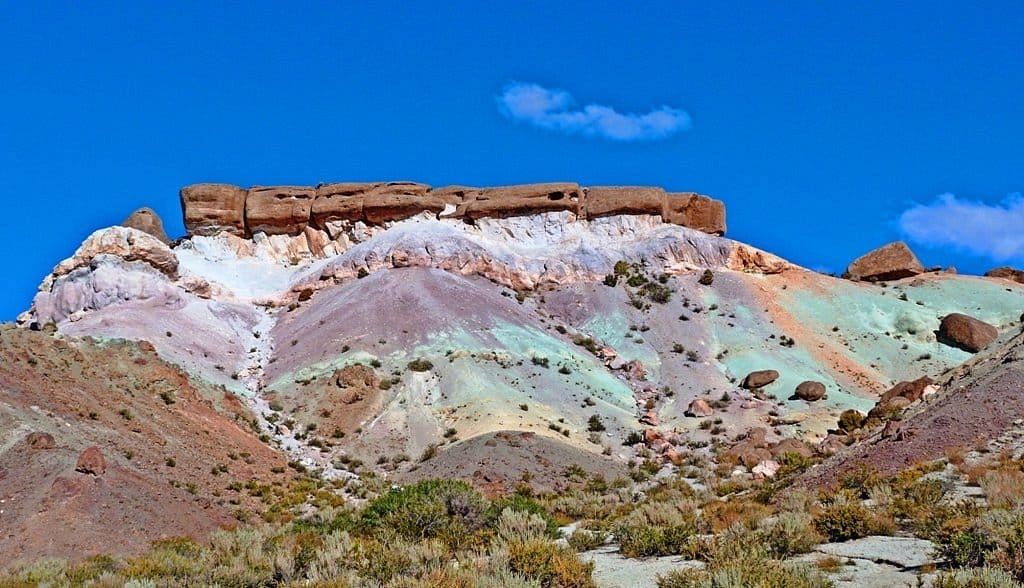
[
  {"x": 91, "y": 461},
  {"x": 650, "y": 418},
  {"x": 147, "y": 221},
  {"x": 966, "y": 332},
  {"x": 889, "y": 262},
  {"x": 791, "y": 445},
  {"x": 810, "y": 391},
  {"x": 699, "y": 408},
  {"x": 40, "y": 440},
  {"x": 759, "y": 379},
  {"x": 912, "y": 391},
  {"x": 767, "y": 468},
  {"x": 832, "y": 444},
  {"x": 1006, "y": 272}
]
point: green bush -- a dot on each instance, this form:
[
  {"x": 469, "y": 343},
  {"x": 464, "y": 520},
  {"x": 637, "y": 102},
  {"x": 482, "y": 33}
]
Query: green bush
[
  {"x": 519, "y": 503},
  {"x": 845, "y": 518},
  {"x": 427, "y": 509},
  {"x": 975, "y": 578},
  {"x": 420, "y": 365},
  {"x": 551, "y": 565},
  {"x": 649, "y": 540}
]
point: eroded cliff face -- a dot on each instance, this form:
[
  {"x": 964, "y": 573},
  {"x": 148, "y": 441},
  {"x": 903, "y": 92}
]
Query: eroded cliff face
[{"x": 288, "y": 210}]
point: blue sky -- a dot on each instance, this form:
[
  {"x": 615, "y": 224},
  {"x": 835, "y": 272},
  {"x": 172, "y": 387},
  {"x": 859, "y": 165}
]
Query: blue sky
[{"x": 820, "y": 124}]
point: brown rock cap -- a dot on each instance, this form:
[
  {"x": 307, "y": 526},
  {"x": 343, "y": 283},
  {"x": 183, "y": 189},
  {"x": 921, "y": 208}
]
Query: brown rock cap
[
  {"x": 1006, "y": 272},
  {"x": 278, "y": 210},
  {"x": 211, "y": 208}
]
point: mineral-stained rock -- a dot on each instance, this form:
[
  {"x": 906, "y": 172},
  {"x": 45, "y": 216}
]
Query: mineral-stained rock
[
  {"x": 966, "y": 332},
  {"x": 128, "y": 244},
  {"x": 611, "y": 200},
  {"x": 759, "y": 379},
  {"x": 211, "y": 208},
  {"x": 696, "y": 212},
  {"x": 699, "y": 408},
  {"x": 91, "y": 461},
  {"x": 1006, "y": 272},
  {"x": 40, "y": 440},
  {"x": 889, "y": 262},
  {"x": 810, "y": 391},
  {"x": 147, "y": 221},
  {"x": 278, "y": 210},
  {"x": 522, "y": 200}
]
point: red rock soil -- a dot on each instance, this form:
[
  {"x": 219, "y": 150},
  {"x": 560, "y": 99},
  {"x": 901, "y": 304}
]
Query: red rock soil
[
  {"x": 978, "y": 401},
  {"x": 84, "y": 393}
]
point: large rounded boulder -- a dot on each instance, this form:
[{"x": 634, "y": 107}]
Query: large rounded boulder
[{"x": 966, "y": 332}]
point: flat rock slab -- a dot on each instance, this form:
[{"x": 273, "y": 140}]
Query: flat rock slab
[
  {"x": 861, "y": 573},
  {"x": 612, "y": 570},
  {"x": 903, "y": 552}
]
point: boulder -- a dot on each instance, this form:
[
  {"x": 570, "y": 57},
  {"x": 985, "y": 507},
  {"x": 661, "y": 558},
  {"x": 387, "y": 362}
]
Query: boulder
[
  {"x": 1006, "y": 272},
  {"x": 699, "y": 408},
  {"x": 912, "y": 391},
  {"x": 810, "y": 391},
  {"x": 612, "y": 200},
  {"x": 759, "y": 379},
  {"x": 889, "y": 262},
  {"x": 791, "y": 445},
  {"x": 278, "y": 210},
  {"x": 399, "y": 200},
  {"x": 209, "y": 209},
  {"x": 966, "y": 332},
  {"x": 833, "y": 444},
  {"x": 147, "y": 221},
  {"x": 39, "y": 440},
  {"x": 766, "y": 469},
  {"x": 91, "y": 461},
  {"x": 696, "y": 212},
  {"x": 650, "y": 418},
  {"x": 127, "y": 243},
  {"x": 522, "y": 200}
]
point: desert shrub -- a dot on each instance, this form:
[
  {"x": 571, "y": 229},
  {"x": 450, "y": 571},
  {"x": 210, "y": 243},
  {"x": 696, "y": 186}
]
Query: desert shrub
[
  {"x": 594, "y": 424},
  {"x": 427, "y": 509},
  {"x": 520, "y": 526},
  {"x": 525, "y": 504},
  {"x": 790, "y": 533},
  {"x": 975, "y": 578},
  {"x": 843, "y": 517},
  {"x": 587, "y": 539},
  {"x": 646, "y": 541},
  {"x": 551, "y": 565},
  {"x": 420, "y": 365},
  {"x": 851, "y": 420},
  {"x": 707, "y": 278},
  {"x": 1003, "y": 488},
  {"x": 738, "y": 558}
]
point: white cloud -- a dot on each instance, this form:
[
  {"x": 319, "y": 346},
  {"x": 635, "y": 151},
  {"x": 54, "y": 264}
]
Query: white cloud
[
  {"x": 553, "y": 109},
  {"x": 995, "y": 231}
]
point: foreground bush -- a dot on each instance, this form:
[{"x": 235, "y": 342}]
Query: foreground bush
[
  {"x": 739, "y": 558},
  {"x": 430, "y": 508},
  {"x": 976, "y": 578}
]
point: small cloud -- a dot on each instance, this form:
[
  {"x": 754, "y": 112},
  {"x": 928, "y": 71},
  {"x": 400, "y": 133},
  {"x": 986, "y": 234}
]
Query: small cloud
[
  {"x": 994, "y": 231},
  {"x": 553, "y": 109}
]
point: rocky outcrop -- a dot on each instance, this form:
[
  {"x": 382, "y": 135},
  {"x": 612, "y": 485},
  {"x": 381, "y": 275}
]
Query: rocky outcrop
[
  {"x": 1006, "y": 272},
  {"x": 612, "y": 200},
  {"x": 966, "y": 332},
  {"x": 521, "y": 200},
  {"x": 147, "y": 221},
  {"x": 278, "y": 210},
  {"x": 128, "y": 244},
  {"x": 894, "y": 261},
  {"x": 213, "y": 208},
  {"x": 695, "y": 211}
]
